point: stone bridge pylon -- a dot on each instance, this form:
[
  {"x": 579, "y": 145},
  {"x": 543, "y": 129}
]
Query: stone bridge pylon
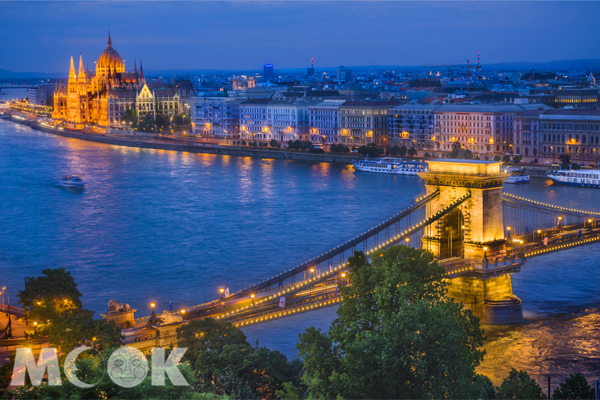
[{"x": 472, "y": 237}]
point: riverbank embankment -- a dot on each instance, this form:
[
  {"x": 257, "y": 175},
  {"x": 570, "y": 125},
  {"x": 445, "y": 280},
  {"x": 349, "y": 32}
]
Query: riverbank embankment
[{"x": 158, "y": 142}]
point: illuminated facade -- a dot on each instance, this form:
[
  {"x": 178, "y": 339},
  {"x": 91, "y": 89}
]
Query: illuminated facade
[
  {"x": 102, "y": 97},
  {"x": 411, "y": 125},
  {"x": 364, "y": 122}
]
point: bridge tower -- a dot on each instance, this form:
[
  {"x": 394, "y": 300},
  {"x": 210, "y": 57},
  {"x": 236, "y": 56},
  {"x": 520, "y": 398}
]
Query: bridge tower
[{"x": 471, "y": 237}]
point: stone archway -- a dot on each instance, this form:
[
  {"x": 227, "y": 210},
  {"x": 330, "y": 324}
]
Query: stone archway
[{"x": 451, "y": 235}]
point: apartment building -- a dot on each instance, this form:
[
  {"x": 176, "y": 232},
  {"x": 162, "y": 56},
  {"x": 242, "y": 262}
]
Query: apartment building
[
  {"x": 571, "y": 131},
  {"x": 526, "y": 132},
  {"x": 412, "y": 125},
  {"x": 481, "y": 128},
  {"x": 289, "y": 119},
  {"x": 325, "y": 121},
  {"x": 215, "y": 117},
  {"x": 253, "y": 119},
  {"x": 364, "y": 122}
]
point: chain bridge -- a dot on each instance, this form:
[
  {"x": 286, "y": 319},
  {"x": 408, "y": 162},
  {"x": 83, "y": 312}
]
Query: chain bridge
[{"x": 479, "y": 234}]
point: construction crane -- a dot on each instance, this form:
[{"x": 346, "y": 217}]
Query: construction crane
[{"x": 457, "y": 65}]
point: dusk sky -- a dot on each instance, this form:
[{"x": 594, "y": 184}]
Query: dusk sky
[{"x": 40, "y": 36}]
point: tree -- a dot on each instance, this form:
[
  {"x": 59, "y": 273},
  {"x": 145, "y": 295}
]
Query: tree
[
  {"x": 132, "y": 117},
  {"x": 370, "y": 150},
  {"x": 518, "y": 385},
  {"x": 483, "y": 388},
  {"x": 243, "y": 142},
  {"x": 402, "y": 151},
  {"x": 506, "y": 158},
  {"x": 147, "y": 124},
  {"x": 574, "y": 387},
  {"x": 163, "y": 123},
  {"x": 83, "y": 329},
  {"x": 517, "y": 159},
  {"x": 426, "y": 155},
  {"x": 395, "y": 150},
  {"x": 274, "y": 143},
  {"x": 388, "y": 151},
  {"x": 412, "y": 152},
  {"x": 397, "y": 334},
  {"x": 50, "y": 297},
  {"x": 565, "y": 160},
  {"x": 224, "y": 362},
  {"x": 456, "y": 147},
  {"x": 497, "y": 158}
]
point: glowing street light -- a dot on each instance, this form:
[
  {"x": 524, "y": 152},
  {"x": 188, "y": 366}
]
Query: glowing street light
[
  {"x": 221, "y": 290},
  {"x": 252, "y": 296}
]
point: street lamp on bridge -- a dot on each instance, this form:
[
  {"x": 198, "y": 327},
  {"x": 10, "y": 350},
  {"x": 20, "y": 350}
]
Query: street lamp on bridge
[
  {"x": 221, "y": 290},
  {"x": 252, "y": 297}
]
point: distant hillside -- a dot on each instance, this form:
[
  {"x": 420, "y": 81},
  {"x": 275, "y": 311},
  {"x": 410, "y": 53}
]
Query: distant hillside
[
  {"x": 4, "y": 74},
  {"x": 555, "y": 65}
]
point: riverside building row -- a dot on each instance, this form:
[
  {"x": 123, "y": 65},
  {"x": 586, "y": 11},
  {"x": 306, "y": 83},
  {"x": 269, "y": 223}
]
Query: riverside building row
[{"x": 495, "y": 128}]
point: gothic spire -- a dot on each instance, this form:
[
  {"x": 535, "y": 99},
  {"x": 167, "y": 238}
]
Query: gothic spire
[
  {"x": 109, "y": 41},
  {"x": 72, "y": 70},
  {"x": 141, "y": 70},
  {"x": 87, "y": 71},
  {"x": 81, "y": 72},
  {"x": 134, "y": 66}
]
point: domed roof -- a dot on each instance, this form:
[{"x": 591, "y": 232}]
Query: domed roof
[{"x": 110, "y": 57}]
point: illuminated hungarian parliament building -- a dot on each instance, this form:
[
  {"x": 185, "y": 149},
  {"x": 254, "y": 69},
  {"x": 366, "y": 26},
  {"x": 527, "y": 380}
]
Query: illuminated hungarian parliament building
[{"x": 103, "y": 97}]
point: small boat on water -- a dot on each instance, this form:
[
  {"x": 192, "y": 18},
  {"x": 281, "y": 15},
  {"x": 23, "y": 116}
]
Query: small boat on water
[
  {"x": 576, "y": 177},
  {"x": 72, "y": 182},
  {"x": 517, "y": 175},
  {"x": 389, "y": 165}
]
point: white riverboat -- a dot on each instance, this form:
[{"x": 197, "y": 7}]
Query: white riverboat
[
  {"x": 72, "y": 182},
  {"x": 389, "y": 165},
  {"x": 517, "y": 175},
  {"x": 578, "y": 177}
]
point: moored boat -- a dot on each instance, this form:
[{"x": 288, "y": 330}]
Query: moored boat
[
  {"x": 578, "y": 177},
  {"x": 389, "y": 165}
]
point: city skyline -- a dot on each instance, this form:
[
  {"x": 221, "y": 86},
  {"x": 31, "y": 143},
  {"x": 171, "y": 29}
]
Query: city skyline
[{"x": 244, "y": 36}]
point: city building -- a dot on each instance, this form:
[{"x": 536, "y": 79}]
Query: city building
[
  {"x": 40, "y": 94},
  {"x": 577, "y": 97},
  {"x": 364, "y": 122},
  {"x": 289, "y": 119},
  {"x": 268, "y": 72},
  {"x": 526, "y": 132},
  {"x": 571, "y": 131},
  {"x": 85, "y": 99},
  {"x": 253, "y": 119},
  {"x": 325, "y": 121},
  {"x": 216, "y": 117},
  {"x": 411, "y": 125},
  {"x": 481, "y": 128}
]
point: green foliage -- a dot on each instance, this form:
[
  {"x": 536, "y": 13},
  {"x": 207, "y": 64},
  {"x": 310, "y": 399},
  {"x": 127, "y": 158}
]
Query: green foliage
[
  {"x": 131, "y": 116},
  {"x": 299, "y": 145},
  {"x": 289, "y": 392},
  {"x": 426, "y": 155},
  {"x": 243, "y": 142},
  {"x": 339, "y": 149},
  {"x": 370, "y": 150},
  {"x": 147, "y": 124},
  {"x": 51, "y": 296},
  {"x": 401, "y": 151},
  {"x": 483, "y": 388},
  {"x": 477, "y": 157},
  {"x": 163, "y": 123},
  {"x": 224, "y": 363},
  {"x": 91, "y": 370},
  {"x": 506, "y": 158},
  {"x": 574, "y": 387},
  {"x": 274, "y": 143},
  {"x": 497, "y": 158},
  {"x": 460, "y": 153},
  {"x": 83, "y": 329},
  {"x": 518, "y": 385},
  {"x": 316, "y": 150},
  {"x": 565, "y": 160},
  {"x": 517, "y": 159},
  {"x": 412, "y": 152},
  {"x": 181, "y": 119},
  {"x": 397, "y": 334}
]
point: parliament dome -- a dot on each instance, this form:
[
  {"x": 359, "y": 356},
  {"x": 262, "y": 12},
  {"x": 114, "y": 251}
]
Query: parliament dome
[{"x": 109, "y": 58}]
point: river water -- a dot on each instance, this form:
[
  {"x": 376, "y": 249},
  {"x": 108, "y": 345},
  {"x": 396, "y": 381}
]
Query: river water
[{"x": 163, "y": 226}]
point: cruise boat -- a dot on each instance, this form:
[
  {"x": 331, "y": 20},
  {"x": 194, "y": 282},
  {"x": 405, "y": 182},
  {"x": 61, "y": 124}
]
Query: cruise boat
[
  {"x": 389, "y": 165},
  {"x": 517, "y": 175},
  {"x": 72, "y": 182},
  {"x": 578, "y": 177}
]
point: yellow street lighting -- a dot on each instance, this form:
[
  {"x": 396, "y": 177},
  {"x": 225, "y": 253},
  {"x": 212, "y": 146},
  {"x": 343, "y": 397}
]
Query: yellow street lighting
[
  {"x": 152, "y": 305},
  {"x": 182, "y": 311},
  {"x": 484, "y": 248},
  {"x": 539, "y": 231},
  {"x": 221, "y": 290},
  {"x": 252, "y": 295},
  {"x": 34, "y": 323},
  {"x": 343, "y": 274},
  {"x": 312, "y": 270},
  {"x": 508, "y": 228}
]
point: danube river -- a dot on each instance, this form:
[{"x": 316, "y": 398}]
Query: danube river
[{"x": 162, "y": 226}]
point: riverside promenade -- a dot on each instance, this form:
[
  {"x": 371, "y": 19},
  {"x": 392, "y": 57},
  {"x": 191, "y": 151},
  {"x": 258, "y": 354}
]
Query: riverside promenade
[{"x": 191, "y": 145}]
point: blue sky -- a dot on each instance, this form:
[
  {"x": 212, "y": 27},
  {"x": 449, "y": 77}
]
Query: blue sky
[{"x": 40, "y": 36}]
